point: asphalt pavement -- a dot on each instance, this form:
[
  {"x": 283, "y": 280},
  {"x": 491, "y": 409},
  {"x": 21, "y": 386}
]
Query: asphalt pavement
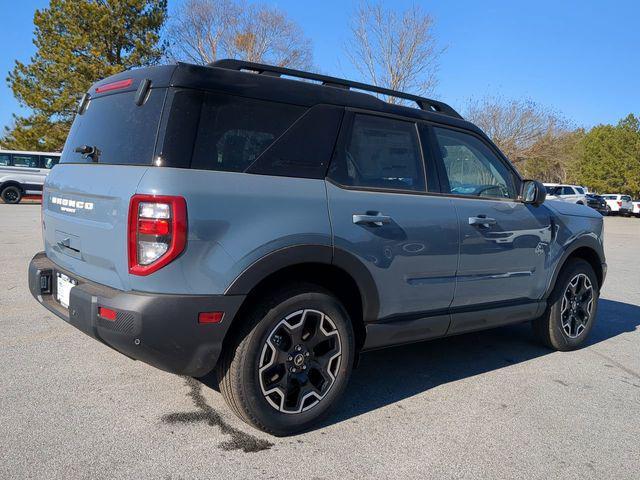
[{"x": 487, "y": 405}]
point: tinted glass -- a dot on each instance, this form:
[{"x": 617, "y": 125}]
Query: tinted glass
[
  {"x": 49, "y": 161},
  {"x": 472, "y": 167},
  {"x": 305, "y": 149},
  {"x": 122, "y": 131},
  {"x": 567, "y": 191},
  {"x": 380, "y": 153},
  {"x": 626, "y": 198},
  {"x": 580, "y": 190},
  {"x": 21, "y": 160},
  {"x": 233, "y": 131},
  {"x": 5, "y": 159},
  {"x": 610, "y": 197}
]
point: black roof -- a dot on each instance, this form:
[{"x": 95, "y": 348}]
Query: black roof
[{"x": 276, "y": 84}]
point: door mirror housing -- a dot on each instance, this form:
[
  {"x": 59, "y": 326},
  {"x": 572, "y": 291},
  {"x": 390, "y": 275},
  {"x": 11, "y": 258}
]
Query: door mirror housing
[{"x": 533, "y": 192}]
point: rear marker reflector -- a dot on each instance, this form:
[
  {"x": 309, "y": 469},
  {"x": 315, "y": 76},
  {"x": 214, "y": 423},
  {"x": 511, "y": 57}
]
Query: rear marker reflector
[
  {"x": 107, "y": 313},
  {"x": 114, "y": 85},
  {"x": 153, "y": 227},
  {"x": 210, "y": 317}
]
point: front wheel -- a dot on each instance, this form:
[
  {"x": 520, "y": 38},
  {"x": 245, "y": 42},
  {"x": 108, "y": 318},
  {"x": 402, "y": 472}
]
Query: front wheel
[
  {"x": 291, "y": 361},
  {"x": 11, "y": 194},
  {"x": 572, "y": 308}
]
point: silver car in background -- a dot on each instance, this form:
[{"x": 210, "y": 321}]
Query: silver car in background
[{"x": 23, "y": 173}]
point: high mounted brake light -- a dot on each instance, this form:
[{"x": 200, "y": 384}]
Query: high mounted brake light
[
  {"x": 157, "y": 232},
  {"x": 107, "y": 87}
]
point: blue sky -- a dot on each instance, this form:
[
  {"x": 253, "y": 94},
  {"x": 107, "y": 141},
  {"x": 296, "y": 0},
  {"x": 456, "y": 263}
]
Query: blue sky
[{"x": 581, "y": 58}]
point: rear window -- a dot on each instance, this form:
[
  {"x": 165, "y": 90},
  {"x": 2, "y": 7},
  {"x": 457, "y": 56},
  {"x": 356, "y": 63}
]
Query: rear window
[
  {"x": 626, "y": 198},
  {"x": 124, "y": 133}
]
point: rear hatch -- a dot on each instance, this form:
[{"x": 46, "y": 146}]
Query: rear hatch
[{"x": 86, "y": 198}]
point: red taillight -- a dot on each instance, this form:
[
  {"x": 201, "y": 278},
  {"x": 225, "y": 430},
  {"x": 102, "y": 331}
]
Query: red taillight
[
  {"x": 619, "y": 204},
  {"x": 157, "y": 231},
  {"x": 107, "y": 313},
  {"x": 210, "y": 317},
  {"x": 107, "y": 87}
]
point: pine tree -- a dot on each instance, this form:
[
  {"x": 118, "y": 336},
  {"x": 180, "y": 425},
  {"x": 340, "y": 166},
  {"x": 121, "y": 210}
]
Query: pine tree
[{"x": 78, "y": 42}]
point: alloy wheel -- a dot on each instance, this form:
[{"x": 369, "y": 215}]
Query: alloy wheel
[
  {"x": 577, "y": 305},
  {"x": 300, "y": 361}
]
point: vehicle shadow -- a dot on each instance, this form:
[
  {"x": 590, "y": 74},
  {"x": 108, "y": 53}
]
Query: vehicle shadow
[
  {"x": 391, "y": 375},
  {"x": 388, "y": 376}
]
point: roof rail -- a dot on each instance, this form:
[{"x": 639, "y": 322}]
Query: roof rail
[{"x": 273, "y": 71}]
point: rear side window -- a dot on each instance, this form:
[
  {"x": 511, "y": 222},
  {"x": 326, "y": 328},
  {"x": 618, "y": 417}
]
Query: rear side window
[
  {"x": 380, "y": 153},
  {"x": 5, "y": 159},
  {"x": 233, "y": 131},
  {"x": 123, "y": 132},
  {"x": 27, "y": 161},
  {"x": 580, "y": 190},
  {"x": 305, "y": 149}
]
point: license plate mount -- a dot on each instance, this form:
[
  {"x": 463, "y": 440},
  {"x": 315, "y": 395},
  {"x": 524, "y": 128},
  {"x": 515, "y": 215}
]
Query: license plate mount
[{"x": 64, "y": 284}]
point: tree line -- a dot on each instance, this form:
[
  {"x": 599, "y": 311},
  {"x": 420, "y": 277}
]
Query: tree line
[{"x": 80, "y": 41}]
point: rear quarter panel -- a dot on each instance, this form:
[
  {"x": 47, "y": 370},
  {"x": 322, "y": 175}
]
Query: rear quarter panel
[{"x": 234, "y": 220}]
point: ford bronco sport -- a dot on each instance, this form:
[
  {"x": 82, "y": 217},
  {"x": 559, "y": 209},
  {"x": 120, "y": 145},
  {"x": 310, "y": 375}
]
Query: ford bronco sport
[{"x": 272, "y": 224}]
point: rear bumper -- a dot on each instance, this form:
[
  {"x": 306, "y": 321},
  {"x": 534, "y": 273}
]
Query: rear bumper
[{"x": 161, "y": 330}]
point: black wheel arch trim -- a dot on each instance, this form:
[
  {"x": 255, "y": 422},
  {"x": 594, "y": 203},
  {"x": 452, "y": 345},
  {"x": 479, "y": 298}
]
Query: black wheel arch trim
[
  {"x": 320, "y": 254},
  {"x": 584, "y": 241}
]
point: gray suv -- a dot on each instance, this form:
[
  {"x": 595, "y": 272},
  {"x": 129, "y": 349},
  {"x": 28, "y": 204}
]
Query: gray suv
[{"x": 233, "y": 218}]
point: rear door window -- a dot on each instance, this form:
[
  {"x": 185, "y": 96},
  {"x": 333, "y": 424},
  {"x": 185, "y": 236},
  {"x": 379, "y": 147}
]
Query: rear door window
[
  {"x": 580, "y": 190},
  {"x": 380, "y": 153},
  {"x": 234, "y": 131},
  {"x": 27, "y": 161},
  {"x": 5, "y": 159}
]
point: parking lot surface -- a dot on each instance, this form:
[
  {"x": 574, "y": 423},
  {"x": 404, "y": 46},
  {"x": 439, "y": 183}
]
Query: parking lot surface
[{"x": 487, "y": 405}]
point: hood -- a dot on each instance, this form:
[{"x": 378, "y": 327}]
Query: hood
[{"x": 567, "y": 208}]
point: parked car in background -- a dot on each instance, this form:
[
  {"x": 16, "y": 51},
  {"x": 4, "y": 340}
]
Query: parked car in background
[
  {"x": 23, "y": 173},
  {"x": 566, "y": 193},
  {"x": 618, "y": 204},
  {"x": 636, "y": 207},
  {"x": 597, "y": 202}
]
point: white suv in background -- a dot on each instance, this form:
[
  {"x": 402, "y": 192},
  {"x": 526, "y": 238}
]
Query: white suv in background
[
  {"x": 618, "y": 204},
  {"x": 566, "y": 193},
  {"x": 636, "y": 207}
]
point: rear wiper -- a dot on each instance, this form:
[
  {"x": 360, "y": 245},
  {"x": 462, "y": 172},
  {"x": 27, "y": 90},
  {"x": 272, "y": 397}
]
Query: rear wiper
[{"x": 88, "y": 151}]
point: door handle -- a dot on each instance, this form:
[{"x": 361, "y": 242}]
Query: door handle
[
  {"x": 375, "y": 220},
  {"x": 482, "y": 220}
]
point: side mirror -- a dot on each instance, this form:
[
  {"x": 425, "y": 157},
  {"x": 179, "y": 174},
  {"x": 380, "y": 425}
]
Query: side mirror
[{"x": 533, "y": 192}]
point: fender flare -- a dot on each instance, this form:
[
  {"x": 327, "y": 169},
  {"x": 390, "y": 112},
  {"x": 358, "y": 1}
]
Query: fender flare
[
  {"x": 586, "y": 240},
  {"x": 319, "y": 254}
]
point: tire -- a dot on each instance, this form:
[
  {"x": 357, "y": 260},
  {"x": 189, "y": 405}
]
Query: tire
[
  {"x": 276, "y": 337},
  {"x": 11, "y": 194},
  {"x": 566, "y": 325}
]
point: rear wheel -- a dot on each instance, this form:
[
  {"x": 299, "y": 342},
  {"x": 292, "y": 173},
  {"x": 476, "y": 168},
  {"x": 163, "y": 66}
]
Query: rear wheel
[
  {"x": 291, "y": 362},
  {"x": 11, "y": 194},
  {"x": 572, "y": 308}
]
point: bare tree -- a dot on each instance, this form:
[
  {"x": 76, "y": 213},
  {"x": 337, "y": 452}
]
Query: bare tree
[
  {"x": 206, "y": 30},
  {"x": 518, "y": 127},
  {"x": 201, "y": 29},
  {"x": 394, "y": 50}
]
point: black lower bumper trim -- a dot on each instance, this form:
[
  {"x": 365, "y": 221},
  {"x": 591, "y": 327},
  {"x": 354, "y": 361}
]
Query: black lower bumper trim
[{"x": 159, "y": 329}]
